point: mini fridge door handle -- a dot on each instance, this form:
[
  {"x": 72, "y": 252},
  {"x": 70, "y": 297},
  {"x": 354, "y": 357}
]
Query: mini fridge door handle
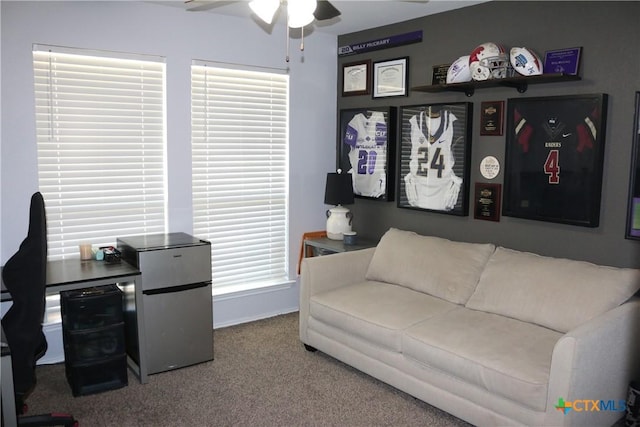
[{"x": 179, "y": 288}]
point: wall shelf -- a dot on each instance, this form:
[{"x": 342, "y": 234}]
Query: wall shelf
[{"x": 520, "y": 83}]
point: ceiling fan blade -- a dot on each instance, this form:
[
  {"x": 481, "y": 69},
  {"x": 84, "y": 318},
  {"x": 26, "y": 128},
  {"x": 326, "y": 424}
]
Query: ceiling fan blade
[
  {"x": 325, "y": 10},
  {"x": 200, "y": 5}
]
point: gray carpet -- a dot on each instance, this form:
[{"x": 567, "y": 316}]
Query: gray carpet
[{"x": 261, "y": 376}]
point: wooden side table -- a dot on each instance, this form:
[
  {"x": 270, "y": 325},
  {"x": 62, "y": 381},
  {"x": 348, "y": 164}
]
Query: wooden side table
[{"x": 325, "y": 246}]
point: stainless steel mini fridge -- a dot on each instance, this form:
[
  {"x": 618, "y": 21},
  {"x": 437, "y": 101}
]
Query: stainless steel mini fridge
[{"x": 176, "y": 301}]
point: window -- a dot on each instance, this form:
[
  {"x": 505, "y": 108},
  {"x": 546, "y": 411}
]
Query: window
[
  {"x": 239, "y": 133},
  {"x": 100, "y": 122}
]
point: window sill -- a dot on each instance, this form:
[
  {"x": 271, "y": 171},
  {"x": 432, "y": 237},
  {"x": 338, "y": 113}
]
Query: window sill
[{"x": 234, "y": 291}]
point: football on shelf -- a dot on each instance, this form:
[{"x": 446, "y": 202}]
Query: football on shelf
[
  {"x": 525, "y": 61},
  {"x": 459, "y": 71}
]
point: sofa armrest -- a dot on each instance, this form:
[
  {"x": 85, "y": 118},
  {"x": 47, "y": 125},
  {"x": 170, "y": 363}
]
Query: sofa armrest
[
  {"x": 595, "y": 361},
  {"x": 323, "y": 273}
]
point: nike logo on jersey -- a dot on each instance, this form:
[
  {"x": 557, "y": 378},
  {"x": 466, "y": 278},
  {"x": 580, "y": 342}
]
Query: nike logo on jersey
[{"x": 564, "y": 135}]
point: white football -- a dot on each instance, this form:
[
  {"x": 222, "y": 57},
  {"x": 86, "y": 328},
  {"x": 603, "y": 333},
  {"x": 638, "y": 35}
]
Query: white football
[
  {"x": 459, "y": 71},
  {"x": 525, "y": 61}
]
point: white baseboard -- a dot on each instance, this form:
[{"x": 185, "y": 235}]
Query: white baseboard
[
  {"x": 257, "y": 316},
  {"x": 256, "y": 304}
]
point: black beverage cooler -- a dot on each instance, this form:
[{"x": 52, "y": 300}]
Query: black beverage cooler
[{"x": 94, "y": 343}]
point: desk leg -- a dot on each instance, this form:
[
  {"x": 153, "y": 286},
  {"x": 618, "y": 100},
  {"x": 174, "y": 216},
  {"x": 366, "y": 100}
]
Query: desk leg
[{"x": 9, "y": 416}]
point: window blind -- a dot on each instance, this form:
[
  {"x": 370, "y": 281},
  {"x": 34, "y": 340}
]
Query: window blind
[
  {"x": 100, "y": 123},
  {"x": 239, "y": 131}
]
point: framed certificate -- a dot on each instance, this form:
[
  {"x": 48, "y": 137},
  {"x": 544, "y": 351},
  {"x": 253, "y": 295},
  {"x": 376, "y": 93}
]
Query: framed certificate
[
  {"x": 390, "y": 78},
  {"x": 434, "y": 157},
  {"x": 554, "y": 158},
  {"x": 356, "y": 78}
]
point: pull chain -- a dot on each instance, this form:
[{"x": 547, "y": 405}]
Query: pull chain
[{"x": 287, "y": 58}]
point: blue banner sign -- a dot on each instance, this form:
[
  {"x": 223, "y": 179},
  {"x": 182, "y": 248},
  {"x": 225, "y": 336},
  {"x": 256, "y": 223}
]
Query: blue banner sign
[{"x": 379, "y": 44}]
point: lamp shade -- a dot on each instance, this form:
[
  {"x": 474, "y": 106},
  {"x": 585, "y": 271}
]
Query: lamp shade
[{"x": 339, "y": 189}]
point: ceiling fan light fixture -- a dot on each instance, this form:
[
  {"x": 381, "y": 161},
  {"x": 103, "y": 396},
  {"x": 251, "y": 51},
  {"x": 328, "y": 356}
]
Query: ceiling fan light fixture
[
  {"x": 299, "y": 21},
  {"x": 265, "y": 9},
  {"x": 300, "y": 12}
]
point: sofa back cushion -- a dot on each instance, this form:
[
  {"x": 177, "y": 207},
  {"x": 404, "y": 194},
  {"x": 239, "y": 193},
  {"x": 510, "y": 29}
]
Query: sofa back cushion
[
  {"x": 556, "y": 293},
  {"x": 439, "y": 267}
]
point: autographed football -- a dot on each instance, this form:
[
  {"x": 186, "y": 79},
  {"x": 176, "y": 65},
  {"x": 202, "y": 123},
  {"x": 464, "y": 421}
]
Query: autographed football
[
  {"x": 525, "y": 61},
  {"x": 459, "y": 71}
]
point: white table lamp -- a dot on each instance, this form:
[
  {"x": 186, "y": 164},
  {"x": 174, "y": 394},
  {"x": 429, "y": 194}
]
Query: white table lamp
[{"x": 338, "y": 192}]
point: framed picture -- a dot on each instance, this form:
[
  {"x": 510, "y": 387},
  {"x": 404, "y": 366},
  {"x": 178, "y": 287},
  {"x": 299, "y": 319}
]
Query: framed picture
[
  {"x": 487, "y": 201},
  {"x": 491, "y": 118},
  {"x": 366, "y": 149},
  {"x": 434, "y": 156},
  {"x": 356, "y": 78},
  {"x": 633, "y": 216},
  {"x": 390, "y": 78},
  {"x": 554, "y": 156}
]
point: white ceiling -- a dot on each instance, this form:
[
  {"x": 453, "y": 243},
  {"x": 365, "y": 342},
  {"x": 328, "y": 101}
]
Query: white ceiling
[{"x": 356, "y": 15}]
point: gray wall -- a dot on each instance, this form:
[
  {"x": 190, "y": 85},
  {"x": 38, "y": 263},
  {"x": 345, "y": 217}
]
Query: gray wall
[{"x": 609, "y": 34}]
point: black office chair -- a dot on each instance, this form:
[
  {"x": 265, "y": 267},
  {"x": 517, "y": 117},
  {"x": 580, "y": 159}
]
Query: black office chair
[{"x": 24, "y": 276}]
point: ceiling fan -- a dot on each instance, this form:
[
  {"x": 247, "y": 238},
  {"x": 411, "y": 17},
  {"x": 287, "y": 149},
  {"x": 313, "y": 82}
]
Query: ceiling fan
[
  {"x": 300, "y": 13},
  {"x": 266, "y": 9}
]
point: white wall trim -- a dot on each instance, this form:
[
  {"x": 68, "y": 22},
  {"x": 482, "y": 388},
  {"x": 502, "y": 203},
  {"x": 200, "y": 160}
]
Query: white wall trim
[{"x": 255, "y": 304}]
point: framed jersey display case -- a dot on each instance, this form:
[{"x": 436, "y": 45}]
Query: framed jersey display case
[
  {"x": 434, "y": 156},
  {"x": 633, "y": 216},
  {"x": 554, "y": 157},
  {"x": 366, "y": 149}
]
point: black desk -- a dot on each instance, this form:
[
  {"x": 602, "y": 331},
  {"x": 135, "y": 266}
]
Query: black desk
[{"x": 70, "y": 274}]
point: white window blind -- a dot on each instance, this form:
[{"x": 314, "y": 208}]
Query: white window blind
[
  {"x": 239, "y": 132},
  {"x": 100, "y": 121}
]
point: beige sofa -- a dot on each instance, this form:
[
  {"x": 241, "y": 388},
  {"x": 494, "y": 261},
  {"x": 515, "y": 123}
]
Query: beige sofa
[{"x": 491, "y": 335}]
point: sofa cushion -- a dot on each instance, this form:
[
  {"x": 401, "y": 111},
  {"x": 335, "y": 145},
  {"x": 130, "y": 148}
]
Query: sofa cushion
[
  {"x": 556, "y": 293},
  {"x": 502, "y": 355},
  {"x": 440, "y": 267},
  {"x": 375, "y": 311}
]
